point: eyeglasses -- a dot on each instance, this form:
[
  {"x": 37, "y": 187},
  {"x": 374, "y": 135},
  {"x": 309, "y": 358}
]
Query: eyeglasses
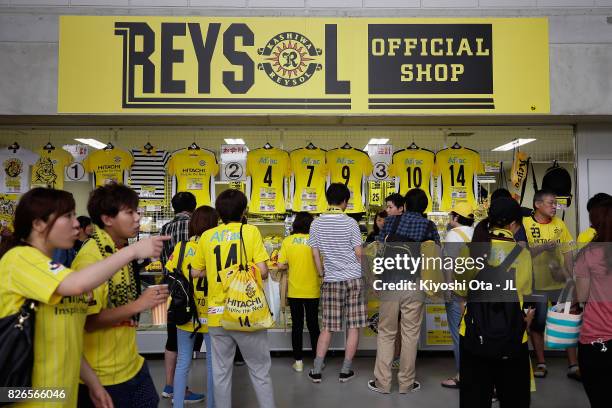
[{"x": 550, "y": 202}]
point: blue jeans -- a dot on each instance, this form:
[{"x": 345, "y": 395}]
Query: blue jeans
[
  {"x": 453, "y": 316},
  {"x": 185, "y": 351}
]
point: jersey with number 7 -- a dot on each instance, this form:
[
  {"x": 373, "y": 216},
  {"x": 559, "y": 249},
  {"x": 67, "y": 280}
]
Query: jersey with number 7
[
  {"x": 349, "y": 167},
  {"x": 267, "y": 169},
  {"x": 458, "y": 168},
  {"x": 309, "y": 176},
  {"x": 414, "y": 168}
]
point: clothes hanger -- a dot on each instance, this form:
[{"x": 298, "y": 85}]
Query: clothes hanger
[
  {"x": 267, "y": 146},
  {"x": 310, "y": 146},
  {"x": 109, "y": 146},
  {"x": 193, "y": 146},
  {"x": 148, "y": 147},
  {"x": 456, "y": 145},
  {"x": 14, "y": 147},
  {"x": 49, "y": 146},
  {"x": 346, "y": 146},
  {"x": 413, "y": 146}
]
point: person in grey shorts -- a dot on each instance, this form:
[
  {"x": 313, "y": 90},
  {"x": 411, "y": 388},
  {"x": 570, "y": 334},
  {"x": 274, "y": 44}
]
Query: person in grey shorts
[{"x": 336, "y": 237}]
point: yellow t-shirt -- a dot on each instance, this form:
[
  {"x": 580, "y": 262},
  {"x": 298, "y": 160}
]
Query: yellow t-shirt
[
  {"x": 268, "y": 169},
  {"x": 586, "y": 236},
  {"x": 48, "y": 171},
  {"x": 554, "y": 231},
  {"x": 200, "y": 294},
  {"x": 414, "y": 168},
  {"x": 111, "y": 352},
  {"x": 309, "y": 177},
  {"x": 457, "y": 168},
  {"x": 218, "y": 249},
  {"x": 500, "y": 249},
  {"x": 108, "y": 165},
  {"x": 350, "y": 166},
  {"x": 194, "y": 171},
  {"x": 59, "y": 324},
  {"x": 303, "y": 277}
]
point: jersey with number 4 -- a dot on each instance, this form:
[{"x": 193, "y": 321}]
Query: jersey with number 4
[
  {"x": 349, "y": 167},
  {"x": 268, "y": 169},
  {"x": 457, "y": 168},
  {"x": 414, "y": 168},
  {"x": 309, "y": 177}
]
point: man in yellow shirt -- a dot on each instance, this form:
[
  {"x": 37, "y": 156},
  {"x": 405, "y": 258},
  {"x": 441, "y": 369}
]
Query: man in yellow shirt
[
  {"x": 551, "y": 245},
  {"x": 220, "y": 248},
  {"x": 110, "y": 331}
]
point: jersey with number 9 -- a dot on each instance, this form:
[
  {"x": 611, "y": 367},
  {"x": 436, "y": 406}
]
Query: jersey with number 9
[{"x": 349, "y": 166}]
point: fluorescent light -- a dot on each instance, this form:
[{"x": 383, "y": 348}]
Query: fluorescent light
[
  {"x": 513, "y": 144},
  {"x": 96, "y": 144},
  {"x": 234, "y": 141}
]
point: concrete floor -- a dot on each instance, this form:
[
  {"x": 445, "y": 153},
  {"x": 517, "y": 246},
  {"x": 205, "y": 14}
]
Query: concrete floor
[{"x": 296, "y": 391}]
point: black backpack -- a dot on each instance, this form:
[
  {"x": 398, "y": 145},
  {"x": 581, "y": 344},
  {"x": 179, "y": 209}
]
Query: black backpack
[
  {"x": 182, "y": 307},
  {"x": 494, "y": 329},
  {"x": 558, "y": 180}
]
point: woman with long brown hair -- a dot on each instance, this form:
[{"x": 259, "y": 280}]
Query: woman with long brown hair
[
  {"x": 593, "y": 269},
  {"x": 44, "y": 221}
]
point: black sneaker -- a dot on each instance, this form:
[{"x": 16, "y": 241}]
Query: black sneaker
[
  {"x": 373, "y": 387},
  {"x": 315, "y": 378},
  {"x": 416, "y": 386},
  {"x": 344, "y": 377}
]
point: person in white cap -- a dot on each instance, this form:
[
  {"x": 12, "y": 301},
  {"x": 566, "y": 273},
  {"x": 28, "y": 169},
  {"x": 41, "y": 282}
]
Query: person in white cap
[{"x": 461, "y": 221}]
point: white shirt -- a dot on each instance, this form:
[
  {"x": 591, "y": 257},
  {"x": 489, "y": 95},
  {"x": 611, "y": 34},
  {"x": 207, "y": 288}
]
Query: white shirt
[
  {"x": 454, "y": 239},
  {"x": 15, "y": 173}
]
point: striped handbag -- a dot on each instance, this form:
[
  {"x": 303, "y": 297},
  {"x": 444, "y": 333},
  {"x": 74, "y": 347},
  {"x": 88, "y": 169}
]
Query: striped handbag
[{"x": 562, "y": 327}]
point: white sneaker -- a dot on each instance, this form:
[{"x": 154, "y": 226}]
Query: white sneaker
[{"x": 298, "y": 366}]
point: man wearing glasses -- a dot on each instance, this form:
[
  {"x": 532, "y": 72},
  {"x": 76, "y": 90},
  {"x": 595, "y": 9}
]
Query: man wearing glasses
[{"x": 551, "y": 245}]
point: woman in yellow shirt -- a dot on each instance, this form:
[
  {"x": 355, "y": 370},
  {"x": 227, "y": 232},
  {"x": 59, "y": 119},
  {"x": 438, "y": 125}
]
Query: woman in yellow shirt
[
  {"x": 44, "y": 221},
  {"x": 493, "y": 330},
  {"x": 304, "y": 285},
  {"x": 202, "y": 219}
]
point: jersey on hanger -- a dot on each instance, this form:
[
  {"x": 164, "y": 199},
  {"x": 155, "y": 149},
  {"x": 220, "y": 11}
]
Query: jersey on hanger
[
  {"x": 15, "y": 174},
  {"x": 148, "y": 174},
  {"x": 48, "y": 171},
  {"x": 268, "y": 169},
  {"x": 309, "y": 177},
  {"x": 350, "y": 166},
  {"x": 194, "y": 171},
  {"x": 414, "y": 168},
  {"x": 108, "y": 165},
  {"x": 457, "y": 168}
]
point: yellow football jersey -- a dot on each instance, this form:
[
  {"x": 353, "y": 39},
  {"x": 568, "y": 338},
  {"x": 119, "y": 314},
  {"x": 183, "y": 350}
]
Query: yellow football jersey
[
  {"x": 111, "y": 352},
  {"x": 350, "y": 166},
  {"x": 457, "y": 168},
  {"x": 303, "y": 277},
  {"x": 414, "y": 168},
  {"x": 108, "y": 165},
  {"x": 309, "y": 178},
  {"x": 586, "y": 236},
  {"x": 48, "y": 171},
  {"x": 59, "y": 325},
  {"x": 218, "y": 249},
  {"x": 554, "y": 231},
  {"x": 194, "y": 171},
  {"x": 200, "y": 290},
  {"x": 268, "y": 169}
]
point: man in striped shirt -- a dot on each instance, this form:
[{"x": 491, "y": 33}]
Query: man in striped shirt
[
  {"x": 336, "y": 237},
  {"x": 183, "y": 204}
]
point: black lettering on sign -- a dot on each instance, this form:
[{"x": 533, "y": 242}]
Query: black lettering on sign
[
  {"x": 204, "y": 52},
  {"x": 139, "y": 58},
  {"x": 332, "y": 84},
  {"x": 239, "y": 58},
  {"x": 430, "y": 59},
  {"x": 169, "y": 56}
]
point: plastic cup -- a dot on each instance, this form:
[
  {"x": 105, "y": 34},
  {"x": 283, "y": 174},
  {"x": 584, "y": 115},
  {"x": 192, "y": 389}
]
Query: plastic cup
[{"x": 159, "y": 313}]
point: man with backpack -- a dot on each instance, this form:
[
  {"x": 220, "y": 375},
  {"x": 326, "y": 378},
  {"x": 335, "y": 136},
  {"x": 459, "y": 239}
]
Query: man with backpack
[
  {"x": 411, "y": 226},
  {"x": 493, "y": 332},
  {"x": 551, "y": 245}
]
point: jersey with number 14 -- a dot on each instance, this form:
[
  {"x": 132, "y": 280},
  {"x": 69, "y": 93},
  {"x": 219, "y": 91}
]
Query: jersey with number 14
[
  {"x": 268, "y": 169},
  {"x": 414, "y": 168},
  {"x": 349, "y": 167},
  {"x": 309, "y": 174},
  {"x": 458, "y": 168}
]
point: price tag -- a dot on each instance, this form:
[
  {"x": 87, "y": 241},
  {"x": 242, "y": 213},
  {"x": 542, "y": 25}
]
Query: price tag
[
  {"x": 381, "y": 158},
  {"x": 75, "y": 172},
  {"x": 233, "y": 162}
]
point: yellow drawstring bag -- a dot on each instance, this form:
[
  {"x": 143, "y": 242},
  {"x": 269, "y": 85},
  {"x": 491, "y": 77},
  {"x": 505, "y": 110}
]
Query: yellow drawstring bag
[{"x": 246, "y": 307}]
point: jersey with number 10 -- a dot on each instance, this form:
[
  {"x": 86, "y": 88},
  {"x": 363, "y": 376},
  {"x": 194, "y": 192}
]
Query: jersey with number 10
[
  {"x": 309, "y": 174},
  {"x": 458, "y": 168},
  {"x": 349, "y": 167},
  {"x": 268, "y": 169},
  {"x": 414, "y": 168}
]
